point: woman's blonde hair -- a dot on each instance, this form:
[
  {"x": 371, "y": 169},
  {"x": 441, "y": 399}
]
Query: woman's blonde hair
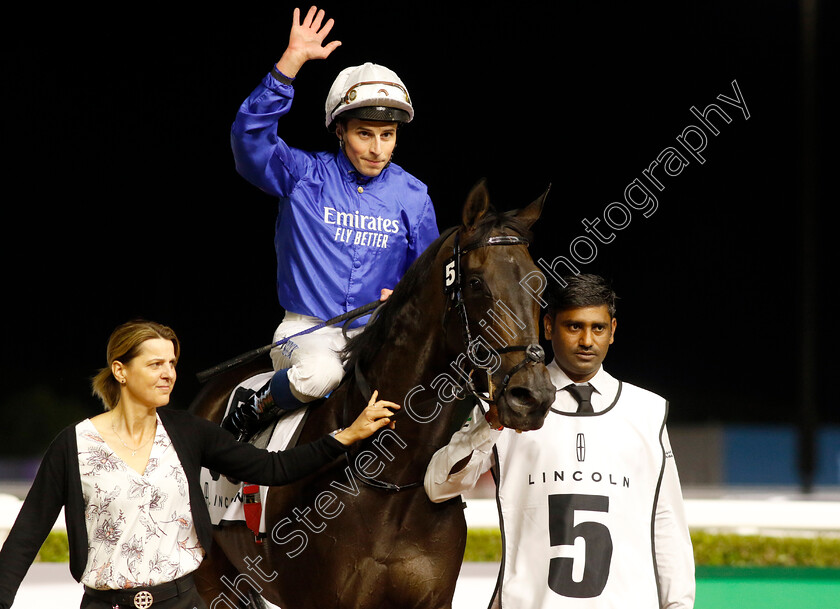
[{"x": 123, "y": 346}]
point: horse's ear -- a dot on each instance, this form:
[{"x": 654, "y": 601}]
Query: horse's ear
[
  {"x": 478, "y": 203},
  {"x": 531, "y": 214}
]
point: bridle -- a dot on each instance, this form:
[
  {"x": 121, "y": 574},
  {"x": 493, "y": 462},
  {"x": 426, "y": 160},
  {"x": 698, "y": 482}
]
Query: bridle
[{"x": 453, "y": 291}]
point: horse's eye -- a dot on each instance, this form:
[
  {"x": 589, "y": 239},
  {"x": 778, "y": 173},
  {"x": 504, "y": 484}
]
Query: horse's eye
[{"x": 474, "y": 283}]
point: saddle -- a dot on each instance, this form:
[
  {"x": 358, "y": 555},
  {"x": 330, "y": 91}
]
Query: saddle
[{"x": 232, "y": 502}]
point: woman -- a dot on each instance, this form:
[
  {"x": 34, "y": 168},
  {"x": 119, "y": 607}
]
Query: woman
[
  {"x": 128, "y": 479},
  {"x": 350, "y": 221}
]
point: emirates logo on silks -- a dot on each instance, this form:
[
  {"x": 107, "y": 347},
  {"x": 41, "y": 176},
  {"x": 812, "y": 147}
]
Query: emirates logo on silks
[{"x": 580, "y": 447}]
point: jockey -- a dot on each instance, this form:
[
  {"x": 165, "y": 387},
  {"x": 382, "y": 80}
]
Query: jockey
[{"x": 349, "y": 222}]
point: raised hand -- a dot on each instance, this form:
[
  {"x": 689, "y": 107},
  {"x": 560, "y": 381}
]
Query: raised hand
[
  {"x": 376, "y": 415},
  {"x": 306, "y": 41}
]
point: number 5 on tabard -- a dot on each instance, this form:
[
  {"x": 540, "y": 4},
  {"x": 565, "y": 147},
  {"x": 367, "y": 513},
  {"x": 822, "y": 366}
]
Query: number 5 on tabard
[{"x": 562, "y": 531}]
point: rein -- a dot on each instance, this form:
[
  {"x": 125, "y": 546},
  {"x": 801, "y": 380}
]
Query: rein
[
  {"x": 244, "y": 358},
  {"x": 453, "y": 290}
]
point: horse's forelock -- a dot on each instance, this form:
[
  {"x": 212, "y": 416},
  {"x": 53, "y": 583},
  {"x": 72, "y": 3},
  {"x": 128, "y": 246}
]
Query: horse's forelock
[{"x": 492, "y": 221}]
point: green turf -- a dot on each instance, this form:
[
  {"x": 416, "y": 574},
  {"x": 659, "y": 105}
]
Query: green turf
[{"x": 767, "y": 588}]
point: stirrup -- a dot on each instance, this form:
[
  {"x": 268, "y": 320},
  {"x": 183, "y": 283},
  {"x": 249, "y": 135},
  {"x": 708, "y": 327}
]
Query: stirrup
[{"x": 250, "y": 413}]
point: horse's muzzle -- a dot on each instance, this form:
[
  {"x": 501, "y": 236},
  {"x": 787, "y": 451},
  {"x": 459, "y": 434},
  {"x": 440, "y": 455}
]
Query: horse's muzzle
[{"x": 525, "y": 402}]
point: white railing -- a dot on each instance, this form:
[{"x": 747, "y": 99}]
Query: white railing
[
  {"x": 765, "y": 515},
  {"x": 744, "y": 516}
]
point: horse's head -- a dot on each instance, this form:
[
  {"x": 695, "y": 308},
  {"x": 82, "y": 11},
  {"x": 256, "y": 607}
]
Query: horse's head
[{"x": 492, "y": 319}]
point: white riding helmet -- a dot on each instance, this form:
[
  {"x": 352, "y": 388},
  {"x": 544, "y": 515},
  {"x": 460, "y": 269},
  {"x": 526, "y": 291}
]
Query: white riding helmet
[{"x": 368, "y": 92}]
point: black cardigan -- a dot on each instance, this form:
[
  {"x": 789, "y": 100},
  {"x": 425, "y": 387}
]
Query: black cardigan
[{"x": 197, "y": 442}]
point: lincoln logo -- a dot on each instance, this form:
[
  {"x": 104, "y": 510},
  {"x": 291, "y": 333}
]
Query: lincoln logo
[{"x": 581, "y": 447}]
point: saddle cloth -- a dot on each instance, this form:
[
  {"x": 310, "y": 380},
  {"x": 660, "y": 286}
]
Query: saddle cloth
[{"x": 224, "y": 498}]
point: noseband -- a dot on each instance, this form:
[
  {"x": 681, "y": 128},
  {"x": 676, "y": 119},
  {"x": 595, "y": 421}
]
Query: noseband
[{"x": 454, "y": 289}]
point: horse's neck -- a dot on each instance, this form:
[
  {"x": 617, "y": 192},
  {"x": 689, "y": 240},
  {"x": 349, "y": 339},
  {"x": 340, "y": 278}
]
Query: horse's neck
[{"x": 403, "y": 372}]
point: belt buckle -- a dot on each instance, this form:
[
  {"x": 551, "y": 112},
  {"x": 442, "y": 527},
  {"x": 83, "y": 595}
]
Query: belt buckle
[{"x": 143, "y": 599}]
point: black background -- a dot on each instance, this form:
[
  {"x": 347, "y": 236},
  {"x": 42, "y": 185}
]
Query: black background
[{"x": 121, "y": 198}]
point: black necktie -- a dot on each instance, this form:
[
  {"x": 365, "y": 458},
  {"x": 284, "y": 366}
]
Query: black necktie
[{"x": 582, "y": 393}]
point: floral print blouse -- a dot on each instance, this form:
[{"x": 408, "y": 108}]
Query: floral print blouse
[{"x": 140, "y": 528}]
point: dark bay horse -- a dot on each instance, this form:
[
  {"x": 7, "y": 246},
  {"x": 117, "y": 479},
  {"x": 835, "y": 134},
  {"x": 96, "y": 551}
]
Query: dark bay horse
[{"x": 361, "y": 533}]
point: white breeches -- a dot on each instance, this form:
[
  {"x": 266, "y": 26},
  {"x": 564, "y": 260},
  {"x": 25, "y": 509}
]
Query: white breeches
[{"x": 314, "y": 359}]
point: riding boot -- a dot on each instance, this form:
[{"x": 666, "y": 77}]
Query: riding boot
[{"x": 249, "y": 415}]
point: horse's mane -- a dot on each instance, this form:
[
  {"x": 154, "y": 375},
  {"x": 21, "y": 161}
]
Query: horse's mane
[{"x": 361, "y": 348}]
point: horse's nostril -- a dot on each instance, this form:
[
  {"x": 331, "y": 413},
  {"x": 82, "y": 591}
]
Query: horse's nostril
[{"x": 521, "y": 394}]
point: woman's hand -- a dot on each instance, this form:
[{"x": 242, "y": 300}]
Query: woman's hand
[
  {"x": 306, "y": 41},
  {"x": 376, "y": 415}
]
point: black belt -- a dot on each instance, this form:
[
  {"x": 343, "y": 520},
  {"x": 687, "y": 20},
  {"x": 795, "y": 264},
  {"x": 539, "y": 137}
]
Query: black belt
[{"x": 144, "y": 596}]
